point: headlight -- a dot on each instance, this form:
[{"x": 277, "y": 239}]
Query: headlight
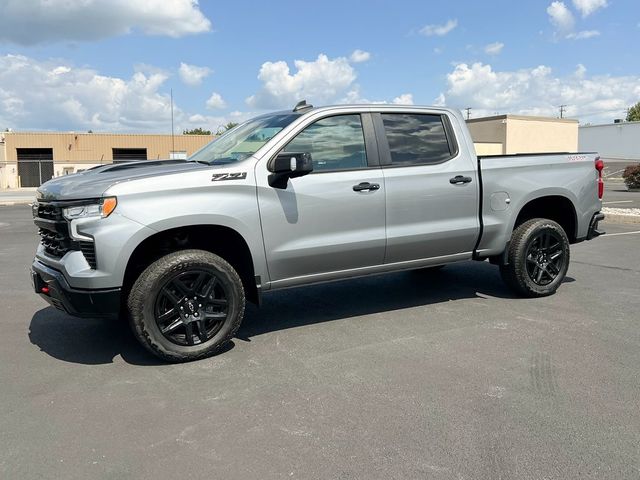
[{"x": 99, "y": 210}]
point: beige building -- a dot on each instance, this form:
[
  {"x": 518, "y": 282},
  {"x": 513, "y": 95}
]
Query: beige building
[
  {"x": 506, "y": 134},
  {"x": 29, "y": 159}
]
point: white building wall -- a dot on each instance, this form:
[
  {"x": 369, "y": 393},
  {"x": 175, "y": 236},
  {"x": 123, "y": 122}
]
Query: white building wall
[{"x": 615, "y": 140}]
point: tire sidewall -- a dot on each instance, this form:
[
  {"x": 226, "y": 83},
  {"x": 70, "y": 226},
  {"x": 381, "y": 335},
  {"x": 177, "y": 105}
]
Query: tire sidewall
[
  {"x": 158, "y": 274},
  {"x": 532, "y": 233}
]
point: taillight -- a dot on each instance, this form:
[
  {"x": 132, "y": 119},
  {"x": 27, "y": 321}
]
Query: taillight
[{"x": 600, "y": 168}]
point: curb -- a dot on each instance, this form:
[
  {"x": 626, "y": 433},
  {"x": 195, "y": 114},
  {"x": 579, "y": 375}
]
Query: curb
[
  {"x": 17, "y": 202},
  {"x": 621, "y": 215}
]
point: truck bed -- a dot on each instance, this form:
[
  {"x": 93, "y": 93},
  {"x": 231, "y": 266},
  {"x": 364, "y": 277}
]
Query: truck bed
[{"x": 509, "y": 182}]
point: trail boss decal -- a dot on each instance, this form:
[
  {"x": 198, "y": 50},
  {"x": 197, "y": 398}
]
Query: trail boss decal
[{"x": 218, "y": 177}]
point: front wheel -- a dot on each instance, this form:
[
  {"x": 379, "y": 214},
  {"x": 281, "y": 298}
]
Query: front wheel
[
  {"x": 186, "y": 305},
  {"x": 538, "y": 258}
]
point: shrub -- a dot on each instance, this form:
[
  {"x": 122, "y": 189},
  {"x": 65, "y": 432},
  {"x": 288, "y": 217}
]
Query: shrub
[{"x": 631, "y": 176}]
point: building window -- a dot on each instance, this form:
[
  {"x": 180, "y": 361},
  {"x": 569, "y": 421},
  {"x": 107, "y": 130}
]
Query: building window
[{"x": 129, "y": 154}]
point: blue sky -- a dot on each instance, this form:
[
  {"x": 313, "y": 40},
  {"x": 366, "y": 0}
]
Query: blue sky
[{"x": 109, "y": 65}]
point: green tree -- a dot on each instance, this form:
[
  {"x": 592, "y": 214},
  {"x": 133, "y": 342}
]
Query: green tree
[
  {"x": 196, "y": 131},
  {"x": 226, "y": 127},
  {"x": 633, "y": 115}
]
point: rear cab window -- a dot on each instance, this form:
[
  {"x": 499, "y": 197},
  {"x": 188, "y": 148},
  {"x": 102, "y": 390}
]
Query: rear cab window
[{"x": 418, "y": 139}]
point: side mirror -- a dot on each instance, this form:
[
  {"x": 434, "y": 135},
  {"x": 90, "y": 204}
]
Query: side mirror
[{"x": 289, "y": 165}]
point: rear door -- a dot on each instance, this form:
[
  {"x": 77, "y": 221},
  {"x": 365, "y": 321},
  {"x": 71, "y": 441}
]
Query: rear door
[
  {"x": 325, "y": 223},
  {"x": 431, "y": 186}
]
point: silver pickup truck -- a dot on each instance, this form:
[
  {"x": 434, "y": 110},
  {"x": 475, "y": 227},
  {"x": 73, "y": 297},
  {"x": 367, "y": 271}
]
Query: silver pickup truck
[{"x": 299, "y": 197}]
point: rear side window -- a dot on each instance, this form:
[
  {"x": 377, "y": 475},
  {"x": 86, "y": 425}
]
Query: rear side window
[
  {"x": 335, "y": 143},
  {"x": 416, "y": 139}
]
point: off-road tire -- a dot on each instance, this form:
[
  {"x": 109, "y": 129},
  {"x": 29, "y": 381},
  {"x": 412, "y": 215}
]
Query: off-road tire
[
  {"x": 142, "y": 297},
  {"x": 515, "y": 273}
]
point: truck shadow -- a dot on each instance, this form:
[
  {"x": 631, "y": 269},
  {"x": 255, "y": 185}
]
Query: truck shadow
[
  {"x": 85, "y": 340},
  {"x": 94, "y": 342},
  {"x": 370, "y": 295}
]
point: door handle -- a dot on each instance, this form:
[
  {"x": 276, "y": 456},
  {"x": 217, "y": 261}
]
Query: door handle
[
  {"x": 459, "y": 179},
  {"x": 366, "y": 186}
]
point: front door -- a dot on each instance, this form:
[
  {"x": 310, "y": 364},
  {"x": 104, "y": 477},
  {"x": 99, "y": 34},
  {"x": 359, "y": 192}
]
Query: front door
[{"x": 320, "y": 224}]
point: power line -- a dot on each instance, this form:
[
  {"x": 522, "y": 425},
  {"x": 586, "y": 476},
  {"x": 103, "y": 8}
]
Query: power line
[{"x": 562, "y": 110}]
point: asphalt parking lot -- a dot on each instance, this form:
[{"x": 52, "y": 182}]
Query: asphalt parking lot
[{"x": 409, "y": 375}]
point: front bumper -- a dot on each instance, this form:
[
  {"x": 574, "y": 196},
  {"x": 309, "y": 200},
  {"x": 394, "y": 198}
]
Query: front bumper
[
  {"x": 593, "y": 226},
  {"x": 51, "y": 285}
]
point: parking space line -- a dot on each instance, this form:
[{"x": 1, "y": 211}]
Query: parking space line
[
  {"x": 613, "y": 173},
  {"x": 619, "y": 201},
  {"x": 621, "y": 233}
]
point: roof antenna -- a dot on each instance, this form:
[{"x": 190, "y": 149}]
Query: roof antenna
[{"x": 302, "y": 105}]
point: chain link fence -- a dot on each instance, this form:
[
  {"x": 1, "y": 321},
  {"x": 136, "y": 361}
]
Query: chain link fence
[{"x": 33, "y": 173}]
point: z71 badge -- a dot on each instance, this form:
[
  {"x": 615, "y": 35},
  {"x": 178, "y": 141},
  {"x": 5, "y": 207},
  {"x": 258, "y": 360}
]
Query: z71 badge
[{"x": 218, "y": 177}]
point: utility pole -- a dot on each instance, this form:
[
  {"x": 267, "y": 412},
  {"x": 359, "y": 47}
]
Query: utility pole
[
  {"x": 562, "y": 110},
  {"x": 468, "y": 109},
  {"x": 173, "y": 141}
]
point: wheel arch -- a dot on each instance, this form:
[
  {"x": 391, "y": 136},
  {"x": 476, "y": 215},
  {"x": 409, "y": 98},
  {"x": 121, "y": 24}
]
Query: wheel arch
[
  {"x": 221, "y": 240},
  {"x": 553, "y": 206}
]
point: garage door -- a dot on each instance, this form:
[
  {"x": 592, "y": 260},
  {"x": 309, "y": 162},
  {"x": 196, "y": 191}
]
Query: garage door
[{"x": 35, "y": 166}]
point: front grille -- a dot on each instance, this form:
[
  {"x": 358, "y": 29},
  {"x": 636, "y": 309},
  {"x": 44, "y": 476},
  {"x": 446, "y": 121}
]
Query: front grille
[
  {"x": 54, "y": 234},
  {"x": 49, "y": 211},
  {"x": 55, "y": 244}
]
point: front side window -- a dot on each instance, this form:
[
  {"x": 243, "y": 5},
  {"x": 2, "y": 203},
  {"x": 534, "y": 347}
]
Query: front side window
[
  {"x": 416, "y": 139},
  {"x": 335, "y": 143}
]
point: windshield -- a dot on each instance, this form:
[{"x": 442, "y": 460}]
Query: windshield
[{"x": 244, "y": 140}]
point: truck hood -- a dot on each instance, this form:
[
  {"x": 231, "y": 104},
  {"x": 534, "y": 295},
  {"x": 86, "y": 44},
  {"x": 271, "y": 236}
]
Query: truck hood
[{"x": 94, "y": 182}]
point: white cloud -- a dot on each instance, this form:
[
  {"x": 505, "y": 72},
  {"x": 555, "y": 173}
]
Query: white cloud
[
  {"x": 536, "y": 91},
  {"x": 359, "y": 56},
  {"x": 560, "y": 16},
  {"x": 216, "y": 102},
  {"x": 587, "y": 7},
  {"x": 193, "y": 75},
  {"x": 404, "y": 99},
  {"x": 584, "y": 34},
  {"x": 354, "y": 96},
  {"x": 494, "y": 48},
  {"x": 28, "y": 22},
  {"x": 48, "y": 95},
  {"x": 320, "y": 81},
  {"x": 439, "y": 30}
]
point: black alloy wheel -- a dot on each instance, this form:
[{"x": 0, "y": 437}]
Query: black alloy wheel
[
  {"x": 545, "y": 257},
  {"x": 191, "y": 307}
]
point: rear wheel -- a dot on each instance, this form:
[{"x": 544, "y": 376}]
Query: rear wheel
[
  {"x": 187, "y": 305},
  {"x": 538, "y": 258}
]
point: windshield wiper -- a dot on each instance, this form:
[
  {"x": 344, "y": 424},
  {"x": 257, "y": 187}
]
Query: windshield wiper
[{"x": 223, "y": 161}]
